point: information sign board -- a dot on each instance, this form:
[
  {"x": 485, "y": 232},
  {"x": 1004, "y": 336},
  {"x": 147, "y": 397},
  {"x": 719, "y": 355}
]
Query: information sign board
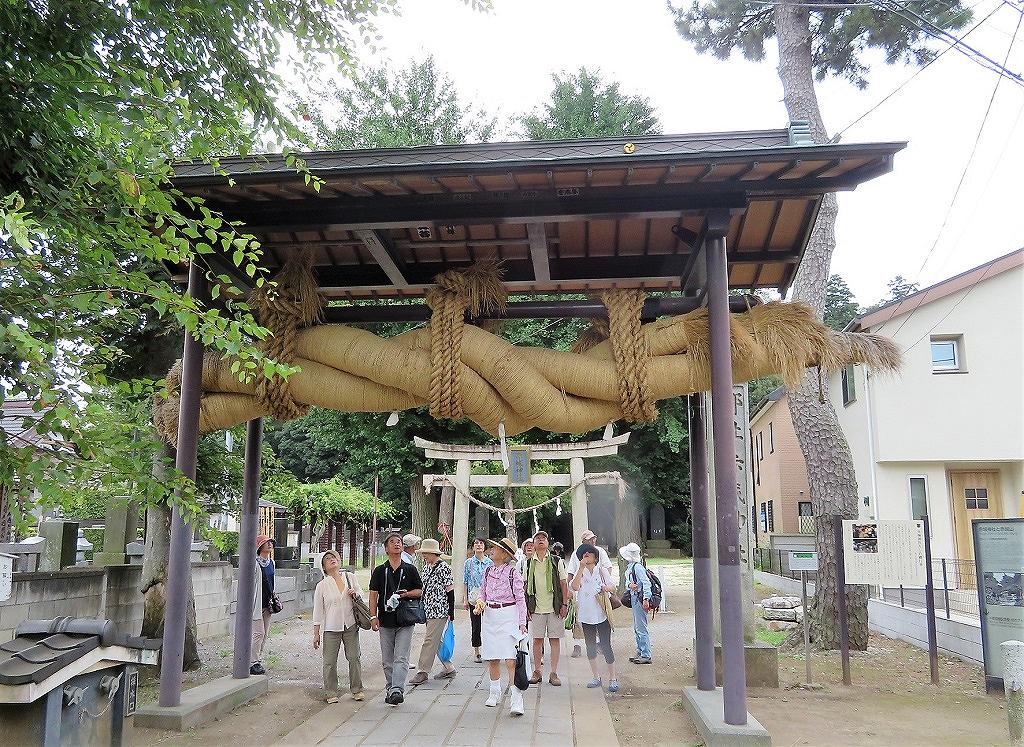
[
  {"x": 803, "y": 561},
  {"x": 518, "y": 465},
  {"x": 884, "y": 553},
  {"x": 999, "y": 560}
]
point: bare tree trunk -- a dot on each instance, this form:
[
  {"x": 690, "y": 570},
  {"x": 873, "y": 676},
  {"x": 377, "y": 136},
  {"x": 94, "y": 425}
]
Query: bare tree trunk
[
  {"x": 154, "y": 573},
  {"x": 627, "y": 526},
  {"x": 424, "y": 509},
  {"x": 830, "y": 472},
  {"x": 511, "y": 531},
  {"x": 5, "y": 517}
]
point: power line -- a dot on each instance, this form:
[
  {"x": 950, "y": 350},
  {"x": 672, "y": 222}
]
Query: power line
[
  {"x": 937, "y": 32},
  {"x": 963, "y": 176},
  {"x": 901, "y": 86}
]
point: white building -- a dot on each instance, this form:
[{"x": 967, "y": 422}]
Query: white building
[{"x": 946, "y": 435}]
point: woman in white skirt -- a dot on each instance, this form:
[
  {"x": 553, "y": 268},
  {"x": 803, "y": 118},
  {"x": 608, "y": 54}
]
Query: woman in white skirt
[{"x": 502, "y": 603}]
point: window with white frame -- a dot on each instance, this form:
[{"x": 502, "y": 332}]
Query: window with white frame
[
  {"x": 918, "y": 488},
  {"x": 849, "y": 385},
  {"x": 947, "y": 353}
]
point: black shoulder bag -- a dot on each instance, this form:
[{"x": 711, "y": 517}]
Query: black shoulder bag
[{"x": 410, "y": 611}]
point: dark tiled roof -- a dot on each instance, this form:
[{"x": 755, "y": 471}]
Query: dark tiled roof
[
  {"x": 505, "y": 154},
  {"x": 41, "y": 648}
]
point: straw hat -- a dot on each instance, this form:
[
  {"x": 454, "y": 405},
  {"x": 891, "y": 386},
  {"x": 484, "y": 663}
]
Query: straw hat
[
  {"x": 431, "y": 547},
  {"x": 504, "y": 544}
]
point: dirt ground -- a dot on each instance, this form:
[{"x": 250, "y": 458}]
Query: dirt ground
[{"x": 891, "y": 701}]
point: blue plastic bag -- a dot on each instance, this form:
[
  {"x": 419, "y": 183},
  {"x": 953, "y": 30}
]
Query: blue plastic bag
[{"x": 446, "y": 650}]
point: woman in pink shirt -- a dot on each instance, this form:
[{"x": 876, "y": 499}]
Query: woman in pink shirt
[{"x": 502, "y": 603}]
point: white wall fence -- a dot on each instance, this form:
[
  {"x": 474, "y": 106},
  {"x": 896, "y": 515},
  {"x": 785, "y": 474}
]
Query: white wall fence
[
  {"x": 112, "y": 593},
  {"x": 959, "y": 635}
]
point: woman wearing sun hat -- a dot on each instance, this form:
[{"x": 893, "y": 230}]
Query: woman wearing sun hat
[
  {"x": 502, "y": 603},
  {"x": 332, "y": 612},
  {"x": 263, "y": 594},
  {"x": 438, "y": 607}
]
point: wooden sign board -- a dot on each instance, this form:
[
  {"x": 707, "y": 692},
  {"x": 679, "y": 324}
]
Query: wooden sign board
[
  {"x": 519, "y": 466},
  {"x": 884, "y": 553}
]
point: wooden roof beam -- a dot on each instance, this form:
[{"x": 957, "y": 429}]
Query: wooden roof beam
[
  {"x": 383, "y": 251},
  {"x": 539, "y": 250}
]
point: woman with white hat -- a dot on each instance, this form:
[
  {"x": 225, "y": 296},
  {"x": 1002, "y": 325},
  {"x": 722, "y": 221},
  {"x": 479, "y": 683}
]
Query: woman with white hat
[
  {"x": 640, "y": 590},
  {"x": 332, "y": 612},
  {"x": 439, "y": 608},
  {"x": 502, "y": 603}
]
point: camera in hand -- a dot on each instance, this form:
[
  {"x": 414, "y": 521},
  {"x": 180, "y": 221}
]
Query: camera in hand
[{"x": 392, "y": 603}]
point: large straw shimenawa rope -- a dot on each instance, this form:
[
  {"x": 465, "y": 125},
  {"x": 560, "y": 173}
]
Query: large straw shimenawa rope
[
  {"x": 477, "y": 290},
  {"x": 462, "y": 370}
]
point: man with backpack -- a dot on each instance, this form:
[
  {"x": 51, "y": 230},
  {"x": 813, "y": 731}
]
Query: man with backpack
[
  {"x": 641, "y": 592},
  {"x": 547, "y": 600}
]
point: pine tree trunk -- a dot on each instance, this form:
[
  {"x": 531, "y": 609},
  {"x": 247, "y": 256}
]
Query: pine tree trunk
[
  {"x": 154, "y": 572},
  {"x": 830, "y": 472}
]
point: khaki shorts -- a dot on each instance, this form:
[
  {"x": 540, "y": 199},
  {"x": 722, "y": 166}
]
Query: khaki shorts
[{"x": 546, "y": 625}]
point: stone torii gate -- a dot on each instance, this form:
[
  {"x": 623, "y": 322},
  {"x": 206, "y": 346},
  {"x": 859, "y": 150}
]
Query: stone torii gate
[{"x": 464, "y": 481}]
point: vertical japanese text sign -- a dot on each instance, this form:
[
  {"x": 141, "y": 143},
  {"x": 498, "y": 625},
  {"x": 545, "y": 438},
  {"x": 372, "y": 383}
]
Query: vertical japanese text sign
[{"x": 518, "y": 465}]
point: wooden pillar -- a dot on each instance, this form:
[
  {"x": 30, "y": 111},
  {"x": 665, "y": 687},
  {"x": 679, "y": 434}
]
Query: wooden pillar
[
  {"x": 244, "y": 599},
  {"x": 366, "y": 547},
  {"x": 339, "y": 537},
  {"x": 580, "y": 520},
  {"x": 179, "y": 567},
  {"x": 460, "y": 524},
  {"x": 353, "y": 542},
  {"x": 730, "y": 585}
]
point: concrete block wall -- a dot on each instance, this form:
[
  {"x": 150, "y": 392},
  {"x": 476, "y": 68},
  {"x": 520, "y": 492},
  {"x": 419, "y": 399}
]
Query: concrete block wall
[
  {"x": 959, "y": 636},
  {"x": 77, "y": 592},
  {"x": 212, "y": 584},
  {"x": 112, "y": 592}
]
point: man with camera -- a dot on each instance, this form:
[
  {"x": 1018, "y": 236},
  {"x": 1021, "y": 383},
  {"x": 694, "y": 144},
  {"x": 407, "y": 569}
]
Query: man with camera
[{"x": 397, "y": 587}]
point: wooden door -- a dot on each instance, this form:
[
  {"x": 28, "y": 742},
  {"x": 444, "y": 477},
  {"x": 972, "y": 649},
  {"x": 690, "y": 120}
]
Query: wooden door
[{"x": 975, "y": 495}]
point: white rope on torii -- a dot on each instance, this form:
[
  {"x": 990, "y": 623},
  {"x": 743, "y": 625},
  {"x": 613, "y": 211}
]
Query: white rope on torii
[{"x": 505, "y": 515}]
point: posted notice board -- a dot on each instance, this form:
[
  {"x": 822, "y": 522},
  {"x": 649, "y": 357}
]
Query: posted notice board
[
  {"x": 999, "y": 559},
  {"x": 884, "y": 553}
]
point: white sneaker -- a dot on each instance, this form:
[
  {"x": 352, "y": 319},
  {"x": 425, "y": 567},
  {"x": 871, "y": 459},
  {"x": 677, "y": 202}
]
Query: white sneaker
[
  {"x": 516, "y": 708},
  {"x": 495, "y": 695}
]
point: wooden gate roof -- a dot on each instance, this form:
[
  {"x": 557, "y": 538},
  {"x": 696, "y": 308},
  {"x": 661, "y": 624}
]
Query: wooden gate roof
[{"x": 565, "y": 216}]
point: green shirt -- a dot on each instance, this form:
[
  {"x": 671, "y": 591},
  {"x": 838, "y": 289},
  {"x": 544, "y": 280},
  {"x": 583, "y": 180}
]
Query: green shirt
[{"x": 542, "y": 584}]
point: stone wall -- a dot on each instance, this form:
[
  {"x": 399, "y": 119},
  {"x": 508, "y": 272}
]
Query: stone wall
[{"x": 112, "y": 592}]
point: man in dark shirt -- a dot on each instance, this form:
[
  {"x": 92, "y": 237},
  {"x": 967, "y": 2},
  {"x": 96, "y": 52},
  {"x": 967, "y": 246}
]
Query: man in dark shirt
[{"x": 394, "y": 577}]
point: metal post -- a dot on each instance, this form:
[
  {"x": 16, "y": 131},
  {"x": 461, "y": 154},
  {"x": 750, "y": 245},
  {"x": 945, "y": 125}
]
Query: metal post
[
  {"x": 247, "y": 550},
  {"x": 902, "y": 602},
  {"x": 945, "y": 587},
  {"x": 844, "y": 621},
  {"x": 376, "y": 494},
  {"x": 730, "y": 584},
  {"x": 178, "y": 565},
  {"x": 703, "y": 599},
  {"x": 929, "y": 606},
  {"x": 807, "y": 626}
]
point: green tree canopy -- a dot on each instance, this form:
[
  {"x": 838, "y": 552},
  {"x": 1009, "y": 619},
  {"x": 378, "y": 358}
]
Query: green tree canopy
[
  {"x": 582, "y": 104},
  {"x": 328, "y": 499},
  {"x": 840, "y": 32},
  {"x": 897, "y": 289},
  {"x": 97, "y": 99},
  {"x": 384, "y": 108},
  {"x": 841, "y": 307}
]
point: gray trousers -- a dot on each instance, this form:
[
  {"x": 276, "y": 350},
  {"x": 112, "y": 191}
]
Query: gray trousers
[
  {"x": 394, "y": 656},
  {"x": 333, "y": 642}
]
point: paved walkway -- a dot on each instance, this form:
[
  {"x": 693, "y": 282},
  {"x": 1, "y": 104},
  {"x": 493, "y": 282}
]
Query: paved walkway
[{"x": 452, "y": 713}]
